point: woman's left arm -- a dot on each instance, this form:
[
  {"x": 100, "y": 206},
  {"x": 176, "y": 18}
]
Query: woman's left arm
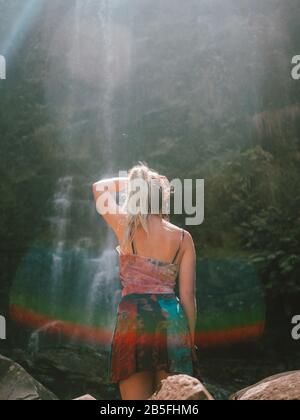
[
  {"x": 187, "y": 283},
  {"x": 104, "y": 194}
]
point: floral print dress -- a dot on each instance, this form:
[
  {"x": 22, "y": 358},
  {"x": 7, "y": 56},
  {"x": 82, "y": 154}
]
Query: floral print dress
[{"x": 151, "y": 332}]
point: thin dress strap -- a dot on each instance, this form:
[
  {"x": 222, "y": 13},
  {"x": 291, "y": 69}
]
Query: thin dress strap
[
  {"x": 133, "y": 247},
  {"x": 176, "y": 255}
]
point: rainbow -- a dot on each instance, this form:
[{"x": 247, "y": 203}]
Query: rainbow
[{"x": 102, "y": 336}]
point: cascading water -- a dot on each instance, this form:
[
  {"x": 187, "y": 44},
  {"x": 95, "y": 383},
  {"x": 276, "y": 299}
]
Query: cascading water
[
  {"x": 105, "y": 18},
  {"x": 61, "y": 207},
  {"x": 75, "y": 282},
  {"x": 81, "y": 286}
]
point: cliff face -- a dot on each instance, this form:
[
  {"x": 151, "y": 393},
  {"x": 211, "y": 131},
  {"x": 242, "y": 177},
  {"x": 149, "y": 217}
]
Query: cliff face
[{"x": 196, "y": 89}]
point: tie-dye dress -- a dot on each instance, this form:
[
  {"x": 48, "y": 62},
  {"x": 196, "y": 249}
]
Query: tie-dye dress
[{"x": 151, "y": 332}]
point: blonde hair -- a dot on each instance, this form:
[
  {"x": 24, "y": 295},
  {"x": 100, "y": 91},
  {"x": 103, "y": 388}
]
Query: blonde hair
[{"x": 141, "y": 217}]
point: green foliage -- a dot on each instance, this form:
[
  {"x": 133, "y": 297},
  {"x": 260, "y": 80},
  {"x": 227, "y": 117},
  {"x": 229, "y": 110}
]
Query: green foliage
[
  {"x": 275, "y": 240},
  {"x": 255, "y": 208}
]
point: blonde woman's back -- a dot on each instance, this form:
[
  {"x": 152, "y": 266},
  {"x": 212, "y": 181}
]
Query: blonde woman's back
[
  {"x": 162, "y": 242},
  {"x": 155, "y": 330}
]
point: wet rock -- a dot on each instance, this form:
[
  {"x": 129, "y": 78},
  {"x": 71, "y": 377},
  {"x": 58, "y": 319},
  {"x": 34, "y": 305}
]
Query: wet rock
[
  {"x": 85, "y": 398},
  {"x": 218, "y": 391},
  {"x": 285, "y": 386},
  {"x": 17, "y": 384},
  {"x": 182, "y": 387},
  {"x": 71, "y": 371}
]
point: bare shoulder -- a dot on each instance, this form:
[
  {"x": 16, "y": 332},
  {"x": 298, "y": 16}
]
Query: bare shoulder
[
  {"x": 188, "y": 241},
  {"x": 187, "y": 236},
  {"x": 171, "y": 227},
  {"x": 188, "y": 249}
]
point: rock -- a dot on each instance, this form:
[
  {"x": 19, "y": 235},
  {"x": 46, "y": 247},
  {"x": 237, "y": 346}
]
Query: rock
[
  {"x": 285, "y": 386},
  {"x": 85, "y": 398},
  {"x": 17, "y": 384},
  {"x": 71, "y": 371},
  {"x": 182, "y": 387},
  {"x": 218, "y": 391}
]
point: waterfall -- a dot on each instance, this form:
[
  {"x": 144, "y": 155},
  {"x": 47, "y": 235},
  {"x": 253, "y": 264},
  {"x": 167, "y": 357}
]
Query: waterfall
[
  {"x": 61, "y": 206},
  {"x": 106, "y": 270},
  {"x": 73, "y": 282},
  {"x": 35, "y": 338},
  {"x": 81, "y": 284},
  {"x": 105, "y": 18}
]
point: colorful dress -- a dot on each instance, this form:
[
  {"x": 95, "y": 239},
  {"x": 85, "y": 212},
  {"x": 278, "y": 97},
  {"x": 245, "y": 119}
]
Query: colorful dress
[{"x": 151, "y": 332}]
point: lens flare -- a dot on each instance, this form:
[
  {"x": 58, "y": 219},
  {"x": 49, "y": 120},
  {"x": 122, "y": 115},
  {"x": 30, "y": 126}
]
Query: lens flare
[{"x": 21, "y": 25}]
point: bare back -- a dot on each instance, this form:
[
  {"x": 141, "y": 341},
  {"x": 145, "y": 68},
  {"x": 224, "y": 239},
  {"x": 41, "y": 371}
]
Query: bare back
[{"x": 161, "y": 243}]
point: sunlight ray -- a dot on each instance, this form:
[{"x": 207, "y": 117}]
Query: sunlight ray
[{"x": 20, "y": 26}]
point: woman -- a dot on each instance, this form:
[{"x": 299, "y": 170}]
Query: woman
[{"x": 155, "y": 332}]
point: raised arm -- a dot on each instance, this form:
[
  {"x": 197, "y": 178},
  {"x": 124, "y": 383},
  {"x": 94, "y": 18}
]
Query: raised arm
[
  {"x": 187, "y": 282},
  {"x": 105, "y": 198}
]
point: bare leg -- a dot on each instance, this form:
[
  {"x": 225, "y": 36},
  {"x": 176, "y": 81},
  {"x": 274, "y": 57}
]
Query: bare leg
[{"x": 139, "y": 386}]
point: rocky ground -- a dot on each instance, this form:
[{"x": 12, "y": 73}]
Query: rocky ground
[
  {"x": 70, "y": 372},
  {"x": 285, "y": 386},
  {"x": 17, "y": 384}
]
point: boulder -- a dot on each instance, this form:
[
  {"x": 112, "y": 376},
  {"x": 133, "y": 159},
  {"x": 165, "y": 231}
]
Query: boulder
[
  {"x": 85, "y": 398},
  {"x": 17, "y": 384},
  {"x": 71, "y": 372},
  {"x": 182, "y": 387},
  {"x": 285, "y": 386}
]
